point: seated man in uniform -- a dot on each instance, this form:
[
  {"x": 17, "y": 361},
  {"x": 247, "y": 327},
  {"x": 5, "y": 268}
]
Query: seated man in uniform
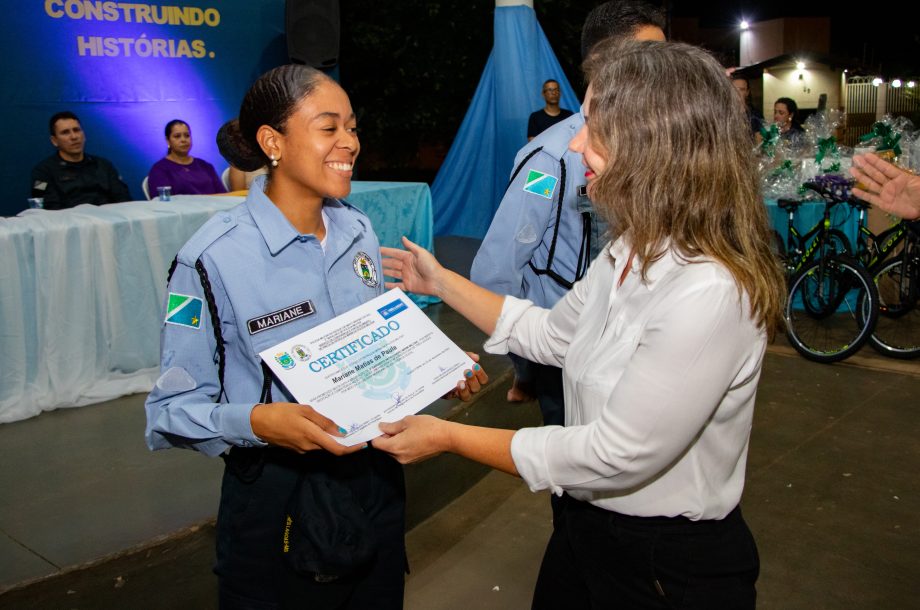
[
  {"x": 545, "y": 231},
  {"x": 70, "y": 177},
  {"x": 550, "y": 114}
]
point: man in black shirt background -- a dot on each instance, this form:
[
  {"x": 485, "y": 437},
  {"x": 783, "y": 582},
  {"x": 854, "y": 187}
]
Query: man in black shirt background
[
  {"x": 755, "y": 116},
  {"x": 550, "y": 114},
  {"x": 70, "y": 177}
]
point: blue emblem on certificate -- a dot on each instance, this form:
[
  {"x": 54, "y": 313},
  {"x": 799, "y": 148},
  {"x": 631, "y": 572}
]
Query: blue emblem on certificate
[
  {"x": 381, "y": 381},
  {"x": 391, "y": 309}
]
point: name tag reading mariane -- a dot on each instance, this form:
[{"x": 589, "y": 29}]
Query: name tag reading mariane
[
  {"x": 379, "y": 362},
  {"x": 282, "y": 316}
]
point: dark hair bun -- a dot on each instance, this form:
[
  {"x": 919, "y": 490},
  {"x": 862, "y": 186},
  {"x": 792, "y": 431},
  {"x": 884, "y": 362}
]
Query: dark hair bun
[{"x": 236, "y": 150}]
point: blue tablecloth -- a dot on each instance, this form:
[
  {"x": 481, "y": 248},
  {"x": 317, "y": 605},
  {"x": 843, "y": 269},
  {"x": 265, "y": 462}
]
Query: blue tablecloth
[
  {"x": 81, "y": 290},
  {"x": 843, "y": 217}
]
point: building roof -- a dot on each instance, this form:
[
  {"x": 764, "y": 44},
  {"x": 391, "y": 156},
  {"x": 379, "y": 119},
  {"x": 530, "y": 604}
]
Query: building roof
[{"x": 789, "y": 59}]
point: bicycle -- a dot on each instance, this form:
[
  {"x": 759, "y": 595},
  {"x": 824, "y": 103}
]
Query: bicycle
[
  {"x": 832, "y": 305},
  {"x": 892, "y": 258}
]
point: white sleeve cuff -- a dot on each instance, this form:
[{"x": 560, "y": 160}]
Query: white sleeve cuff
[{"x": 528, "y": 452}]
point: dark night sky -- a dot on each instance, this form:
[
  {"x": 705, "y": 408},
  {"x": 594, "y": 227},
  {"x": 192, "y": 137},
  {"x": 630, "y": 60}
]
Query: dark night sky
[{"x": 888, "y": 38}]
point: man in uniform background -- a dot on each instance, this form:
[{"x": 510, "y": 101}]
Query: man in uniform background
[
  {"x": 70, "y": 177},
  {"x": 545, "y": 231}
]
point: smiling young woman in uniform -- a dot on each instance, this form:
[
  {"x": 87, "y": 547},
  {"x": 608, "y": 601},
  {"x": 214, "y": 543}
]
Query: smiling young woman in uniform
[{"x": 294, "y": 248}]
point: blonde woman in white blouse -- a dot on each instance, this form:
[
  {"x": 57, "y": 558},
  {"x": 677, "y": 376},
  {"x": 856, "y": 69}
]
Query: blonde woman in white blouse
[{"x": 661, "y": 347}]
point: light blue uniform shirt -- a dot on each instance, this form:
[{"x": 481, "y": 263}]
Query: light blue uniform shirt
[
  {"x": 269, "y": 283},
  {"x": 523, "y": 228}
]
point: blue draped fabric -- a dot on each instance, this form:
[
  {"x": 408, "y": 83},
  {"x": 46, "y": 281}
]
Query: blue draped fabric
[{"x": 470, "y": 183}]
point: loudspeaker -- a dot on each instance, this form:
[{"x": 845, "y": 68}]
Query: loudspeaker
[{"x": 312, "y": 28}]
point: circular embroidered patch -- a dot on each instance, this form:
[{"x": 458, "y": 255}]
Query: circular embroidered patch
[{"x": 365, "y": 269}]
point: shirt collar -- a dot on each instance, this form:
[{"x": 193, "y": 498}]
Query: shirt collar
[
  {"x": 85, "y": 160},
  {"x": 671, "y": 260},
  {"x": 279, "y": 233}
]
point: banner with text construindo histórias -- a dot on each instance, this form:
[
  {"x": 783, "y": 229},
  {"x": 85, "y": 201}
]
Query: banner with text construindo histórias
[{"x": 126, "y": 69}]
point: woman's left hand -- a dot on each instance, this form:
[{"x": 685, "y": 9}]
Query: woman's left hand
[
  {"x": 414, "y": 438},
  {"x": 472, "y": 382}
]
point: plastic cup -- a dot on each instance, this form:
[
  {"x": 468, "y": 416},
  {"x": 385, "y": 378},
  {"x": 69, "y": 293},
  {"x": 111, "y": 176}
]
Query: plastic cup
[{"x": 165, "y": 193}]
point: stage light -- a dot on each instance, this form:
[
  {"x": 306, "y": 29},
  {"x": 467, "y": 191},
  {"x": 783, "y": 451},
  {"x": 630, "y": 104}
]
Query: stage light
[
  {"x": 744, "y": 24},
  {"x": 896, "y": 83},
  {"x": 911, "y": 84},
  {"x": 876, "y": 81},
  {"x": 800, "y": 65}
]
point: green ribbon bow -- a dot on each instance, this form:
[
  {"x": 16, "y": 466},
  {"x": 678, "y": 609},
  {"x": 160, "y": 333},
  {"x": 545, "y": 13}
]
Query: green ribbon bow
[
  {"x": 784, "y": 170},
  {"x": 770, "y": 137},
  {"x": 826, "y": 146},
  {"x": 888, "y": 140}
]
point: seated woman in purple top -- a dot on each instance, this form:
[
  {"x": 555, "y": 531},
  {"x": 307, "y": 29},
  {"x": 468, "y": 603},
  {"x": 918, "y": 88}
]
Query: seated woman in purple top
[{"x": 179, "y": 170}]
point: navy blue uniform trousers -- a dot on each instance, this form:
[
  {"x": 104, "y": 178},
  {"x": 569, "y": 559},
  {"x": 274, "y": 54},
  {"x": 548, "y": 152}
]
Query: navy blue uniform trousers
[{"x": 256, "y": 487}]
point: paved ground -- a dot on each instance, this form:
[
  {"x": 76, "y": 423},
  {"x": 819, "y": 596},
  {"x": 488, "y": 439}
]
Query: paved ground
[
  {"x": 831, "y": 496},
  {"x": 90, "y": 519}
]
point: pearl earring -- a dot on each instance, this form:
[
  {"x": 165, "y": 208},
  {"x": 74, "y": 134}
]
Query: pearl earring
[{"x": 274, "y": 160}]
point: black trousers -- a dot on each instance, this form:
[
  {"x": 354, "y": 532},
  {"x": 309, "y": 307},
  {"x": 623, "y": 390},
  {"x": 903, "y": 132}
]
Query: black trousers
[
  {"x": 256, "y": 487},
  {"x": 601, "y": 559}
]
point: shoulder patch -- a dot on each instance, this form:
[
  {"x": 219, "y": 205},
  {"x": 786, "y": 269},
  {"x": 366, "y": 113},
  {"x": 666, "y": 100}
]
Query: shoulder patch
[
  {"x": 540, "y": 184},
  {"x": 183, "y": 310}
]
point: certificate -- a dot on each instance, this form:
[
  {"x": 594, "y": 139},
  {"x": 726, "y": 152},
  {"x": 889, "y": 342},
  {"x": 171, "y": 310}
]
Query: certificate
[{"x": 379, "y": 362}]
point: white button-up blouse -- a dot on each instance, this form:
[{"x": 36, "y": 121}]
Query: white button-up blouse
[{"x": 660, "y": 378}]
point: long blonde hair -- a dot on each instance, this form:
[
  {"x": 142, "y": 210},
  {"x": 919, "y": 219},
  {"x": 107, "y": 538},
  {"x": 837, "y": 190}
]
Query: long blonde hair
[{"x": 680, "y": 172}]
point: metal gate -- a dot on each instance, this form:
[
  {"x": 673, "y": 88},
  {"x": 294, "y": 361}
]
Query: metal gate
[
  {"x": 866, "y": 103},
  {"x": 862, "y": 102}
]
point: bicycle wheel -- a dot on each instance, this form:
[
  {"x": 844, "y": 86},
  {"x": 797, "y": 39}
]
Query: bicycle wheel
[
  {"x": 839, "y": 288},
  {"x": 897, "y": 333},
  {"x": 837, "y": 242}
]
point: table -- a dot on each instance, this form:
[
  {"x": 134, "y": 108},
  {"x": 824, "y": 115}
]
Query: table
[{"x": 81, "y": 290}]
